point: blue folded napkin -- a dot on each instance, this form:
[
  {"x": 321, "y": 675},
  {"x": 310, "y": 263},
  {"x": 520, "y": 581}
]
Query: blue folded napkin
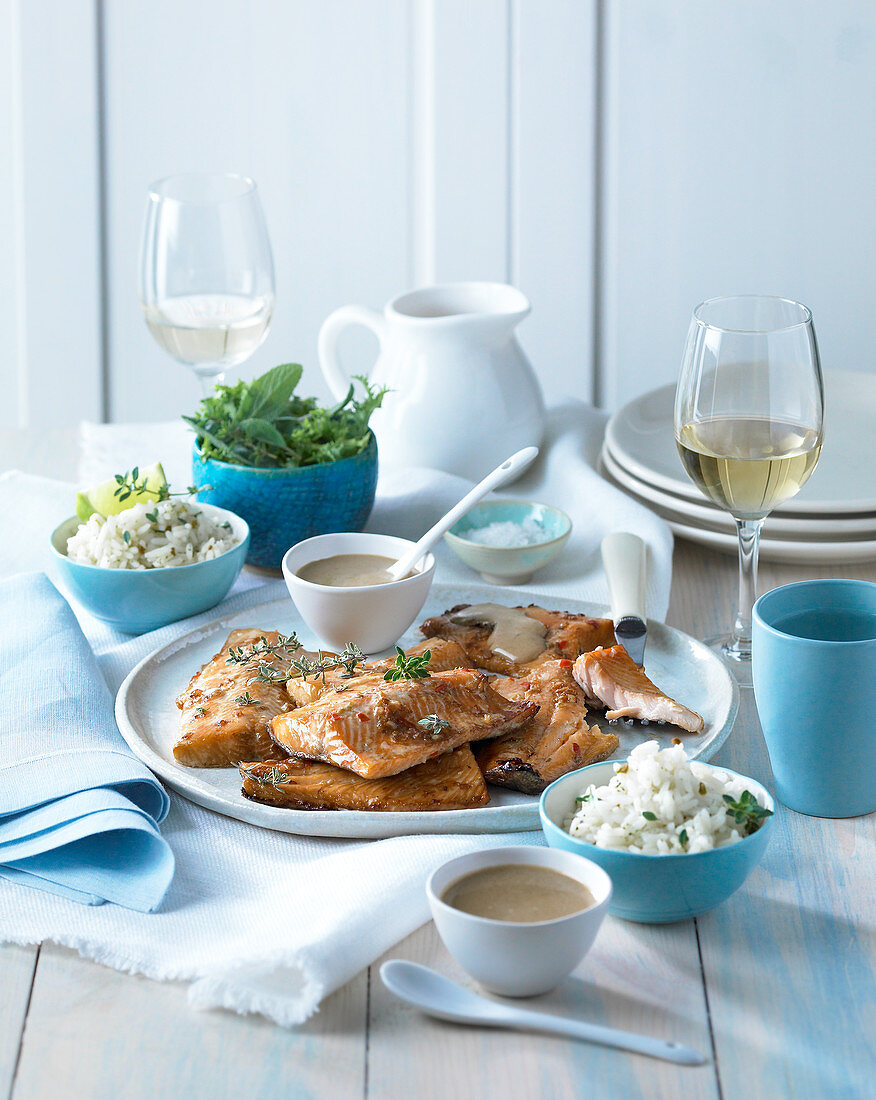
[{"x": 78, "y": 811}]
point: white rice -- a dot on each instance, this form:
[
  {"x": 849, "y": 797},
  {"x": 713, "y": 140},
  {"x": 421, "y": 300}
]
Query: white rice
[
  {"x": 180, "y": 534},
  {"x": 684, "y": 798}
]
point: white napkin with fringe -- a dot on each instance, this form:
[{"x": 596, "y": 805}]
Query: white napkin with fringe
[{"x": 266, "y": 922}]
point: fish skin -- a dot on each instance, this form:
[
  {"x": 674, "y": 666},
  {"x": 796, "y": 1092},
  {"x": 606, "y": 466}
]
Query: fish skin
[
  {"x": 554, "y": 741},
  {"x": 568, "y": 635},
  {"x": 229, "y": 732},
  {"x": 452, "y": 781},
  {"x": 372, "y": 728},
  {"x": 445, "y": 655},
  {"x": 611, "y": 679}
]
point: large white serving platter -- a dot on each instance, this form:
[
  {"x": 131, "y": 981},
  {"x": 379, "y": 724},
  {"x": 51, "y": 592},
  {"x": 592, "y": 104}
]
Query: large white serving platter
[
  {"x": 702, "y": 513},
  {"x": 148, "y": 718},
  {"x": 641, "y": 437}
]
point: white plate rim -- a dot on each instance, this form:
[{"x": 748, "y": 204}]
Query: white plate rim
[
  {"x": 615, "y": 433},
  {"x": 779, "y": 528},
  {"x": 194, "y": 784}
]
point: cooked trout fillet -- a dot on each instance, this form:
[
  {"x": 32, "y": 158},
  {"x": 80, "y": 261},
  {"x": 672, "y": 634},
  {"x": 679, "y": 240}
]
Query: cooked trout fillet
[
  {"x": 445, "y": 655},
  {"x": 371, "y": 726},
  {"x": 611, "y": 679},
  {"x": 556, "y": 740},
  {"x": 452, "y": 781},
  {"x": 216, "y": 730},
  {"x": 567, "y": 634}
]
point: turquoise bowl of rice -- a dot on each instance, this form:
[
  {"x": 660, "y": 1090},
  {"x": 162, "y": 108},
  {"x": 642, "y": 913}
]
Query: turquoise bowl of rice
[
  {"x": 685, "y": 861},
  {"x": 152, "y": 564}
]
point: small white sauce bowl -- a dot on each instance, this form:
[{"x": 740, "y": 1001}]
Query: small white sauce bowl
[
  {"x": 511, "y": 958},
  {"x": 372, "y": 616}
]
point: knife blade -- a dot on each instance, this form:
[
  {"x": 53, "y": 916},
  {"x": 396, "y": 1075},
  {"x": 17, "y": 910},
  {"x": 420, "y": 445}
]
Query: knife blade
[{"x": 624, "y": 556}]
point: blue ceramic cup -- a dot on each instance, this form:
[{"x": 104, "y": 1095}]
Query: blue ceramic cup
[{"x": 814, "y": 668}]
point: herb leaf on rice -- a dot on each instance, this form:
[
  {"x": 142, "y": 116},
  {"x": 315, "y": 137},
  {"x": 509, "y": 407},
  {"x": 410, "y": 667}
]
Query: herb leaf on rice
[{"x": 264, "y": 423}]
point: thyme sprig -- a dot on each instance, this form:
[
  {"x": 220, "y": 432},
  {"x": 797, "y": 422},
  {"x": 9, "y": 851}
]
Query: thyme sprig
[
  {"x": 747, "y": 812},
  {"x": 273, "y": 778},
  {"x": 130, "y": 483},
  {"x": 350, "y": 658},
  {"x": 434, "y": 724},
  {"x": 246, "y": 700},
  {"x": 409, "y": 668},
  {"x": 285, "y": 644}
]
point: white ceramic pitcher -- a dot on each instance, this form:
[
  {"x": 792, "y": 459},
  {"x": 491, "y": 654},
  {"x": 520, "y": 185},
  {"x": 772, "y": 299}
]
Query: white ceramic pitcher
[{"x": 463, "y": 394}]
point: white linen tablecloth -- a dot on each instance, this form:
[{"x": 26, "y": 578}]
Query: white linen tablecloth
[{"x": 266, "y": 922}]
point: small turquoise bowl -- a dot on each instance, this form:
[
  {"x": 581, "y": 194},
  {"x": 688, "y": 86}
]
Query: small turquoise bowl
[
  {"x": 656, "y": 889},
  {"x": 285, "y": 506},
  {"x": 509, "y": 564},
  {"x": 137, "y": 600}
]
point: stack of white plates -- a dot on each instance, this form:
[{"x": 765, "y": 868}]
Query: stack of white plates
[{"x": 832, "y": 518}]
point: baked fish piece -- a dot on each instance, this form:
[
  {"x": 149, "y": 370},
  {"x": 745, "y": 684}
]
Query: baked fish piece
[
  {"x": 444, "y": 655},
  {"x": 376, "y": 727},
  {"x": 227, "y": 710},
  {"x": 562, "y": 634},
  {"x": 558, "y": 739},
  {"x": 610, "y": 678},
  {"x": 452, "y": 781}
]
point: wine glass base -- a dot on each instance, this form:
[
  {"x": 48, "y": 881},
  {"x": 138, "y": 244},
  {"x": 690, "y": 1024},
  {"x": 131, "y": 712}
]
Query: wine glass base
[{"x": 738, "y": 662}]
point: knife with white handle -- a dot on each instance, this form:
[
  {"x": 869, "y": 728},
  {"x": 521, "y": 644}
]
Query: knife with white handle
[{"x": 624, "y": 556}]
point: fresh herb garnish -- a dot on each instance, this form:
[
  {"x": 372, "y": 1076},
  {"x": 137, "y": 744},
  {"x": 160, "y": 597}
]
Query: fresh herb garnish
[
  {"x": 264, "y": 423},
  {"x": 588, "y": 797},
  {"x": 348, "y": 659},
  {"x": 126, "y": 535},
  {"x": 648, "y": 816},
  {"x": 747, "y": 811},
  {"x": 152, "y": 516},
  {"x": 682, "y": 837},
  {"x": 272, "y": 778},
  {"x": 246, "y": 700},
  {"x": 200, "y": 712},
  {"x": 434, "y": 724},
  {"x": 409, "y": 668}
]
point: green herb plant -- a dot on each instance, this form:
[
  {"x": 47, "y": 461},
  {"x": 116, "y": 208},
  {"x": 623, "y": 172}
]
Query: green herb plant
[
  {"x": 264, "y": 423},
  {"x": 433, "y": 724},
  {"x": 409, "y": 668},
  {"x": 747, "y": 812}
]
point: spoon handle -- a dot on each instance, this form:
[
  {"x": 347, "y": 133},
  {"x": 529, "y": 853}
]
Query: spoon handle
[
  {"x": 606, "y": 1036},
  {"x": 510, "y": 468}
]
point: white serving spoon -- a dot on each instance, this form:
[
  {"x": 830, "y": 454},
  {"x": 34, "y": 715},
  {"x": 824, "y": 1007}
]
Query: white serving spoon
[
  {"x": 512, "y": 467},
  {"x": 437, "y": 996}
]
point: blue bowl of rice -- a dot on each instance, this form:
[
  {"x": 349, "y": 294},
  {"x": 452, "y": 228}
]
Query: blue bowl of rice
[
  {"x": 137, "y": 573},
  {"x": 685, "y": 861},
  {"x": 506, "y": 541}
]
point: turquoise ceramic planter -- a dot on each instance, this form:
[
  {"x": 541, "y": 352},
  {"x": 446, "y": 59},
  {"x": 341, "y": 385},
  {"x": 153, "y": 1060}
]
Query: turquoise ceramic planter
[
  {"x": 284, "y": 506},
  {"x": 136, "y": 600},
  {"x": 656, "y": 889}
]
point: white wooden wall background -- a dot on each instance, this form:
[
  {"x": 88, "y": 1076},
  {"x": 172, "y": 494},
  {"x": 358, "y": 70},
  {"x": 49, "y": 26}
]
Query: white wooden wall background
[{"x": 618, "y": 160}]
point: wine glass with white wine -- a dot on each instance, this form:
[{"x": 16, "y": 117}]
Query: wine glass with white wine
[
  {"x": 749, "y": 422},
  {"x": 206, "y": 271}
]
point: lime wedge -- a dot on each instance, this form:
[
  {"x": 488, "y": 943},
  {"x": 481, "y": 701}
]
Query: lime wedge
[{"x": 103, "y": 499}]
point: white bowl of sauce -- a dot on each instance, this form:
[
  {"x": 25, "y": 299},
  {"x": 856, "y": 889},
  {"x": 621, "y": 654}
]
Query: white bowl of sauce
[
  {"x": 340, "y": 587},
  {"x": 518, "y": 920}
]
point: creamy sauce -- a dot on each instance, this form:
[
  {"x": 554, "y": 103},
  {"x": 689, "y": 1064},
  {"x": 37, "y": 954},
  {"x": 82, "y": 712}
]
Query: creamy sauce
[
  {"x": 348, "y": 570},
  {"x": 519, "y": 892},
  {"x": 515, "y": 635}
]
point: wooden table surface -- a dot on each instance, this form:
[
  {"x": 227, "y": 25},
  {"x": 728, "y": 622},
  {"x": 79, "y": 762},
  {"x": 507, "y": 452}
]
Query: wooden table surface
[{"x": 776, "y": 985}]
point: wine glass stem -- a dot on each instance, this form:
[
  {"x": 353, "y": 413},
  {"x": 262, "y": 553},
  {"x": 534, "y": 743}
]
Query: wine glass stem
[
  {"x": 208, "y": 381},
  {"x": 739, "y": 646}
]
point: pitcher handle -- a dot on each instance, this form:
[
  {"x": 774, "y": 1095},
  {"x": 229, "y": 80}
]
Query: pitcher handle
[{"x": 337, "y": 378}]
